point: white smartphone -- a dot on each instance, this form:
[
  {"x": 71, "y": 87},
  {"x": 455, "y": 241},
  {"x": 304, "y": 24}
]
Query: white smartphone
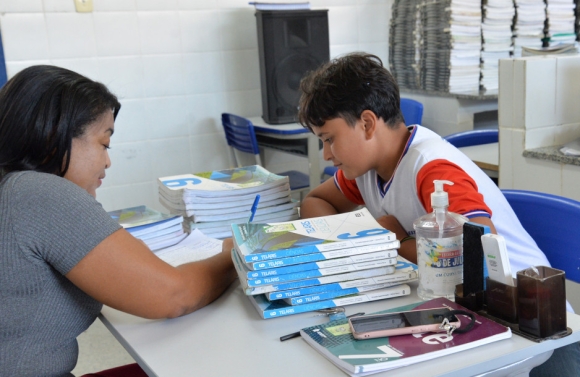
[{"x": 400, "y": 323}]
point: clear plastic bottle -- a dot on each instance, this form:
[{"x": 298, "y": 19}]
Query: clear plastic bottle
[{"x": 439, "y": 247}]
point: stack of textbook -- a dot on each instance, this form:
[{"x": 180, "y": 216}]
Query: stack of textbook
[
  {"x": 528, "y": 24},
  {"x": 212, "y": 201},
  {"x": 158, "y": 230},
  {"x": 311, "y": 264}
]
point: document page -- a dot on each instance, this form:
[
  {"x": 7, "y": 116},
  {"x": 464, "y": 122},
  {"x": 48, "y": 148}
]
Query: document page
[{"x": 196, "y": 246}]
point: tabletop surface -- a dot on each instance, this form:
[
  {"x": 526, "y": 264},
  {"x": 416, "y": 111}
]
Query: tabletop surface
[
  {"x": 486, "y": 156},
  {"x": 229, "y": 338}
]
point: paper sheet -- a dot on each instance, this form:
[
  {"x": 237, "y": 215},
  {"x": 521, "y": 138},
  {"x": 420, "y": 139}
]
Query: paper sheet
[
  {"x": 572, "y": 148},
  {"x": 196, "y": 246}
]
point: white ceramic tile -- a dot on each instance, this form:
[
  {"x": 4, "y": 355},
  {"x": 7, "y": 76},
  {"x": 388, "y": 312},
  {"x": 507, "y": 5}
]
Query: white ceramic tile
[
  {"x": 241, "y": 70},
  {"x": 209, "y": 152},
  {"x": 571, "y": 181},
  {"x": 239, "y": 30},
  {"x": 203, "y": 110},
  {"x": 156, "y": 5},
  {"x": 342, "y": 25},
  {"x": 132, "y": 121},
  {"x": 379, "y": 49},
  {"x": 130, "y": 163},
  {"x": 117, "y": 33},
  {"x": 85, "y": 66},
  {"x": 172, "y": 157},
  {"x": 163, "y": 75},
  {"x": 24, "y": 36},
  {"x": 505, "y": 158},
  {"x": 200, "y": 30},
  {"x": 331, "y": 3},
  {"x": 14, "y": 67},
  {"x": 167, "y": 117},
  {"x": 117, "y": 197},
  {"x": 204, "y": 72},
  {"x": 566, "y": 133},
  {"x": 540, "y": 93},
  {"x": 197, "y": 4},
  {"x": 17, "y": 6},
  {"x": 59, "y": 6},
  {"x": 540, "y": 137},
  {"x": 114, "y": 5},
  {"x": 225, "y": 4},
  {"x": 159, "y": 32},
  {"x": 506, "y": 93},
  {"x": 568, "y": 90},
  {"x": 337, "y": 50},
  {"x": 519, "y": 89},
  {"x": 373, "y": 23},
  {"x": 246, "y": 103},
  {"x": 71, "y": 35},
  {"x": 122, "y": 75},
  {"x": 538, "y": 175}
]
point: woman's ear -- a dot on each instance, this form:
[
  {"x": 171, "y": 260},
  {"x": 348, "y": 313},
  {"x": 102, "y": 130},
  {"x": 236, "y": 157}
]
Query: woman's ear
[{"x": 369, "y": 121}]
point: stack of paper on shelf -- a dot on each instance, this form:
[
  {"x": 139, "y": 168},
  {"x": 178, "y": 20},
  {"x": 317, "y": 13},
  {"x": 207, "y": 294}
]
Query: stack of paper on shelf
[
  {"x": 451, "y": 36},
  {"x": 158, "y": 230},
  {"x": 560, "y": 22},
  {"x": 497, "y": 40},
  {"x": 363, "y": 357},
  {"x": 304, "y": 265},
  {"x": 529, "y": 24},
  {"x": 212, "y": 201},
  {"x": 404, "y": 43}
]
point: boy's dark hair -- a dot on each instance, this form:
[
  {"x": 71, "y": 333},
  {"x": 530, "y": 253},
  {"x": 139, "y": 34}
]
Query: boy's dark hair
[
  {"x": 42, "y": 108},
  {"x": 345, "y": 87}
]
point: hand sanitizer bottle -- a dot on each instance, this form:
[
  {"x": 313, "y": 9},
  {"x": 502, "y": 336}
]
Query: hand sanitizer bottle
[{"x": 439, "y": 247}]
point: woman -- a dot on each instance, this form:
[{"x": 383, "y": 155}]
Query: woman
[{"x": 61, "y": 255}]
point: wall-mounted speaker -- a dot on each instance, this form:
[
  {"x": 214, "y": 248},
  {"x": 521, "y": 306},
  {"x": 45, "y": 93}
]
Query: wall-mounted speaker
[{"x": 290, "y": 43}]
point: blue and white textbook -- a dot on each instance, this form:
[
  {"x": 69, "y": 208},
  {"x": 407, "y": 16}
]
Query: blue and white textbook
[
  {"x": 272, "y": 309},
  {"x": 405, "y": 272},
  {"x": 324, "y": 265},
  {"x": 325, "y": 257},
  {"x": 265, "y": 241},
  {"x": 310, "y": 282}
]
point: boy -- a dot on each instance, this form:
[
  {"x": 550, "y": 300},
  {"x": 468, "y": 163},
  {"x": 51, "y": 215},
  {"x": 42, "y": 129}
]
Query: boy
[{"x": 352, "y": 104}]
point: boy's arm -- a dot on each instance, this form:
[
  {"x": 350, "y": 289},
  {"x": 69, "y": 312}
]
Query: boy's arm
[{"x": 325, "y": 199}]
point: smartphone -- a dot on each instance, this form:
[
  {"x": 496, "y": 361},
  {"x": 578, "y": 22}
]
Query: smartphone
[{"x": 400, "y": 323}]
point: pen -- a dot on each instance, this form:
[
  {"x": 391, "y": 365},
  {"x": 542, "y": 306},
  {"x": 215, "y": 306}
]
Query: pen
[
  {"x": 254, "y": 208},
  {"x": 297, "y": 334}
]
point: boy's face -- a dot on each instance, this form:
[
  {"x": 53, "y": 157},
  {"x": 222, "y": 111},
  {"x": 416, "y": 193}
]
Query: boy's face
[{"x": 347, "y": 147}]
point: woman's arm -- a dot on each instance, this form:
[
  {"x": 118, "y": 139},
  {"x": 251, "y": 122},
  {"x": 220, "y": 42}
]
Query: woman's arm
[{"x": 121, "y": 272}]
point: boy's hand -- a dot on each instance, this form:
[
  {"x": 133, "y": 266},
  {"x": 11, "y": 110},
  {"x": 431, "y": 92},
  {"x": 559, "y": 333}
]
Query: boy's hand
[{"x": 408, "y": 249}]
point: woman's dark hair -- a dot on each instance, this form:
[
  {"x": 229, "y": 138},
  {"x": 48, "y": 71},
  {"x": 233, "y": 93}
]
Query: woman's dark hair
[
  {"x": 345, "y": 87},
  {"x": 42, "y": 108}
]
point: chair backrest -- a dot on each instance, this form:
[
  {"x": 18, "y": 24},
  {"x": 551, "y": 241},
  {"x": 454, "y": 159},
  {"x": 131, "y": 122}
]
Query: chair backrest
[
  {"x": 473, "y": 137},
  {"x": 412, "y": 111},
  {"x": 240, "y": 136},
  {"x": 552, "y": 221}
]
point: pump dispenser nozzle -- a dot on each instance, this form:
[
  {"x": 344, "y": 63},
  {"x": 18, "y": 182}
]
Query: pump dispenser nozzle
[{"x": 439, "y": 197}]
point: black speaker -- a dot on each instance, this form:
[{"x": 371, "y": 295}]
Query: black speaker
[{"x": 290, "y": 43}]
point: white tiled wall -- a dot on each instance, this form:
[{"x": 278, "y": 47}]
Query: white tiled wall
[
  {"x": 176, "y": 65},
  {"x": 538, "y": 107}
]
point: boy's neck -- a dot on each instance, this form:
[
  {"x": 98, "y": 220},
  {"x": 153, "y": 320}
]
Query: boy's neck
[{"x": 395, "y": 140}]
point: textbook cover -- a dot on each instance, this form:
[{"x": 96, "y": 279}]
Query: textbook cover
[
  {"x": 405, "y": 272},
  {"x": 264, "y": 241},
  {"x": 335, "y": 341},
  {"x": 143, "y": 221},
  {"x": 221, "y": 183},
  {"x": 272, "y": 309},
  {"x": 326, "y": 259}
]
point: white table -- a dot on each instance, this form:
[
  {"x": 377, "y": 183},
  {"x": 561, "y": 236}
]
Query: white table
[
  {"x": 486, "y": 156},
  {"x": 293, "y": 131},
  {"x": 228, "y": 338}
]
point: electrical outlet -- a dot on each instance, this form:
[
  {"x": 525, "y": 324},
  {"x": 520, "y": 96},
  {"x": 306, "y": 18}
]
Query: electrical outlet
[{"x": 84, "y": 6}]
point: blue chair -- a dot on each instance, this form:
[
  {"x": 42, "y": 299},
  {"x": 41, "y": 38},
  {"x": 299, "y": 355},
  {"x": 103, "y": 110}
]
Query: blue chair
[
  {"x": 241, "y": 137},
  {"x": 473, "y": 137},
  {"x": 412, "y": 112},
  {"x": 552, "y": 221}
]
